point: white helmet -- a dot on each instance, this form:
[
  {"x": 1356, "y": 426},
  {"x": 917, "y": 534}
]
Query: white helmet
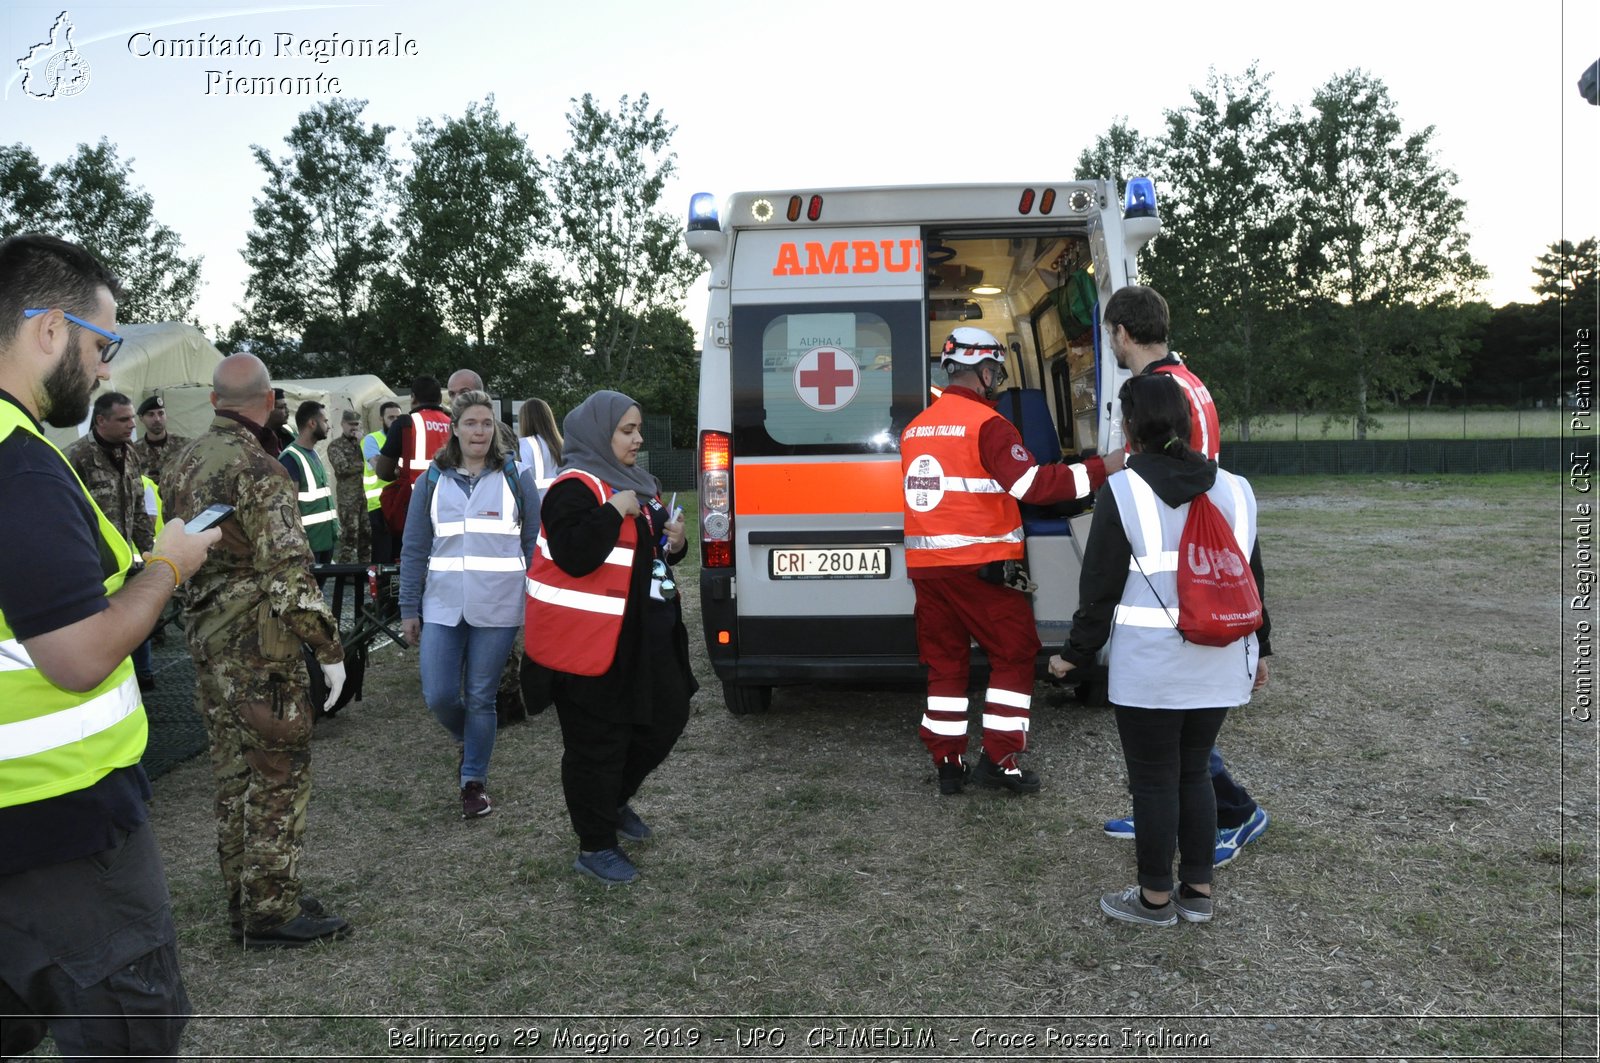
[{"x": 970, "y": 347}]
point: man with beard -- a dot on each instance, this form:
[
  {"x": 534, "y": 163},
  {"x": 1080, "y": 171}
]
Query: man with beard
[
  {"x": 277, "y": 423},
  {"x": 317, "y": 512},
  {"x": 87, "y": 944},
  {"x": 156, "y": 445},
  {"x": 344, "y": 454},
  {"x": 110, "y": 469}
]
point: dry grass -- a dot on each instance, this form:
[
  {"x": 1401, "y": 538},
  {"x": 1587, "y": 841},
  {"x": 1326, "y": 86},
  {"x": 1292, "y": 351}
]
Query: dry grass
[{"x": 1407, "y": 900}]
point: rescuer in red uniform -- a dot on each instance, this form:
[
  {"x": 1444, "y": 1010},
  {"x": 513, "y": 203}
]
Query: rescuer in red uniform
[{"x": 965, "y": 470}]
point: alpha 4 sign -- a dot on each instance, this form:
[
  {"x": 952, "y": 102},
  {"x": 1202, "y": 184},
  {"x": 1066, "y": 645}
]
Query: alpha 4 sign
[{"x": 827, "y": 378}]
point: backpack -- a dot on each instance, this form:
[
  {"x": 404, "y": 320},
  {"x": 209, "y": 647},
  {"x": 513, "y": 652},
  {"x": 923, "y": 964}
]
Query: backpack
[
  {"x": 1218, "y": 603},
  {"x": 509, "y": 470}
]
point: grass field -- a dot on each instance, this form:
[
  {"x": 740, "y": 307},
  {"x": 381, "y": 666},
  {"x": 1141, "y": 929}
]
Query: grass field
[
  {"x": 1426, "y": 890},
  {"x": 1412, "y": 424}
]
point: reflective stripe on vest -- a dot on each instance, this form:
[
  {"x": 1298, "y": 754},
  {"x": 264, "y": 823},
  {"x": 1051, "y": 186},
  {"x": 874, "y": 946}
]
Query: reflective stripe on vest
[
  {"x": 55, "y": 741},
  {"x": 572, "y": 623},
  {"x": 1146, "y": 652},
  {"x": 1205, "y": 431},
  {"x": 955, "y": 512},
  {"x": 152, "y": 504},
  {"x": 533, "y": 453}
]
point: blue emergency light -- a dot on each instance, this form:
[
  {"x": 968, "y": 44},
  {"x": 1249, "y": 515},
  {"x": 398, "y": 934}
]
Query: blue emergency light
[
  {"x": 703, "y": 212},
  {"x": 1141, "y": 198}
]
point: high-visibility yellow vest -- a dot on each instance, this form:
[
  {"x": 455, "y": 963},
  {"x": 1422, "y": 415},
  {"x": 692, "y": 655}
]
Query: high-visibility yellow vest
[
  {"x": 371, "y": 482},
  {"x": 152, "y": 503},
  {"x": 317, "y": 511},
  {"x": 55, "y": 741}
]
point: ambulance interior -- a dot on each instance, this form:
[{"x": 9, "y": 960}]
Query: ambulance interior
[{"x": 1036, "y": 294}]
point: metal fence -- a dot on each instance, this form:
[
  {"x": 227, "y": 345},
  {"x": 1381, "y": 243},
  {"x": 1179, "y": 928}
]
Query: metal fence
[
  {"x": 1403, "y": 457},
  {"x": 1408, "y": 424}
]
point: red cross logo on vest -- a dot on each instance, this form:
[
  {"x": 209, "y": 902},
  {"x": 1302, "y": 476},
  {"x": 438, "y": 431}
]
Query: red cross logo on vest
[{"x": 826, "y": 379}]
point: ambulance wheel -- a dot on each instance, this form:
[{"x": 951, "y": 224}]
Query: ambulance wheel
[{"x": 742, "y": 701}]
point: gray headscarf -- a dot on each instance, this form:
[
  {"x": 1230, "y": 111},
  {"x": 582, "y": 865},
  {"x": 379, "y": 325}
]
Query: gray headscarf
[{"x": 586, "y": 445}]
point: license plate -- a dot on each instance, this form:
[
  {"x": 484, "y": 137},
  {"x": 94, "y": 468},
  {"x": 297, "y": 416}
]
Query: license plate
[{"x": 853, "y": 562}]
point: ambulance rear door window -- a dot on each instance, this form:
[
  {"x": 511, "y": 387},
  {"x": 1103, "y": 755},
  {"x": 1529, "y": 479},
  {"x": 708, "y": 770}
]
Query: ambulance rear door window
[{"x": 834, "y": 378}]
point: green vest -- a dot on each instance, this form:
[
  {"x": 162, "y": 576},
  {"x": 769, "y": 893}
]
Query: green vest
[
  {"x": 370, "y": 481},
  {"x": 317, "y": 512},
  {"x": 55, "y": 741}
]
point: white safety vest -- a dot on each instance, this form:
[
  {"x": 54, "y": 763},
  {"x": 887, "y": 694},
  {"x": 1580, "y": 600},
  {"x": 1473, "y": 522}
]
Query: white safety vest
[
  {"x": 535, "y": 453},
  {"x": 1151, "y": 666},
  {"x": 476, "y": 566}
]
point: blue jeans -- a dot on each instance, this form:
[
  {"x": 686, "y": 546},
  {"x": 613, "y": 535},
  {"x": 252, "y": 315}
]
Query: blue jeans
[
  {"x": 461, "y": 669},
  {"x": 1235, "y": 806}
]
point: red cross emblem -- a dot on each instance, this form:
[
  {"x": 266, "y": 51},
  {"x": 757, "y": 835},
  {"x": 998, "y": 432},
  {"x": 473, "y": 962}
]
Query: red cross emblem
[{"x": 826, "y": 378}]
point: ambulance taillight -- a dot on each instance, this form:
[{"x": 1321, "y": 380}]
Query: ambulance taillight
[{"x": 716, "y": 500}]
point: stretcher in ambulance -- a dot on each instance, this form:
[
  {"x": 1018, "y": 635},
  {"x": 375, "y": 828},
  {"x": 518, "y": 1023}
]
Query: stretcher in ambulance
[{"x": 827, "y": 311}]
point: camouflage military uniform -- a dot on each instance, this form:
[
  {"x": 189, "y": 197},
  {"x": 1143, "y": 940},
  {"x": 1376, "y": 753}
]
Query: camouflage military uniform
[
  {"x": 117, "y": 492},
  {"x": 355, "y": 531},
  {"x": 155, "y": 459},
  {"x": 248, "y": 609}
]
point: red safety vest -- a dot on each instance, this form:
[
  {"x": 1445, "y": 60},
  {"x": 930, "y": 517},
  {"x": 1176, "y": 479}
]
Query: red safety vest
[
  {"x": 430, "y": 430},
  {"x": 1205, "y": 431},
  {"x": 572, "y": 623},
  {"x": 956, "y": 512}
]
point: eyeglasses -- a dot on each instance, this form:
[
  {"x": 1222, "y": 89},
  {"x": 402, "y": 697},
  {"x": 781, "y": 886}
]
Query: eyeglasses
[
  {"x": 663, "y": 575},
  {"x": 114, "y": 342}
]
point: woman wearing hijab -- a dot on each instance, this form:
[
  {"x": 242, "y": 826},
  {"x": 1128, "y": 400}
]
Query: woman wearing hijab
[
  {"x": 470, "y": 529},
  {"x": 603, "y": 615}
]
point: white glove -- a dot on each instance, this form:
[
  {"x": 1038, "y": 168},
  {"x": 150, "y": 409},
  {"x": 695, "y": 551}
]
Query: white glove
[{"x": 333, "y": 675}]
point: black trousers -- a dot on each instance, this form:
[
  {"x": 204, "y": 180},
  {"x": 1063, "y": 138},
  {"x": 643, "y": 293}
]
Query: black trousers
[
  {"x": 1168, "y": 753},
  {"x": 615, "y": 730}
]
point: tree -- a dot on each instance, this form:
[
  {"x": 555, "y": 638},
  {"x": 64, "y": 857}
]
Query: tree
[
  {"x": 1569, "y": 284},
  {"x": 1380, "y": 230},
  {"x": 321, "y": 236},
  {"x": 27, "y": 198},
  {"x": 91, "y": 200},
  {"x": 1223, "y": 256},
  {"x": 471, "y": 209},
  {"x": 533, "y": 329},
  {"x": 1117, "y": 154},
  {"x": 622, "y": 255}
]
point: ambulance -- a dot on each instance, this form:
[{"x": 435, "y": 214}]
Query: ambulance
[{"x": 827, "y": 312}]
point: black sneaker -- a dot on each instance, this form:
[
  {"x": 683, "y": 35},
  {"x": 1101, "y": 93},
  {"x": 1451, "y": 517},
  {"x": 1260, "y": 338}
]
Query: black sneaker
[
  {"x": 994, "y": 777},
  {"x": 953, "y": 776},
  {"x": 474, "y": 801}
]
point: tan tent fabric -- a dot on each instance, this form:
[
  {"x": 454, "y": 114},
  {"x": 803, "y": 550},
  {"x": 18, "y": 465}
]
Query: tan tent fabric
[{"x": 154, "y": 358}]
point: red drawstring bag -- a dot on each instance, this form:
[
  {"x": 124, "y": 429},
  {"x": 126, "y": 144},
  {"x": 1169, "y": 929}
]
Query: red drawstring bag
[{"x": 1218, "y": 603}]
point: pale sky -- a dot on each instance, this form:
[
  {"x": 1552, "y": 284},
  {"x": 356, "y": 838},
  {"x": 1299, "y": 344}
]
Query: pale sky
[{"x": 827, "y": 93}]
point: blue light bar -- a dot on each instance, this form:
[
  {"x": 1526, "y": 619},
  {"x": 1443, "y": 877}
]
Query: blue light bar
[
  {"x": 703, "y": 212},
  {"x": 1141, "y": 198}
]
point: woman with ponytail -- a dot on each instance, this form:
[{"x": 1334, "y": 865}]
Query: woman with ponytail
[{"x": 1170, "y": 695}]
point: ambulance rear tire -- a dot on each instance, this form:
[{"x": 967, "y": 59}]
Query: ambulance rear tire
[{"x": 742, "y": 700}]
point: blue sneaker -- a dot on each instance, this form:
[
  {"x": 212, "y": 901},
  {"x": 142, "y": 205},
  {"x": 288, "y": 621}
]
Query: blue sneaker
[
  {"x": 1119, "y": 828},
  {"x": 610, "y": 866},
  {"x": 1231, "y": 840},
  {"x": 630, "y": 826}
]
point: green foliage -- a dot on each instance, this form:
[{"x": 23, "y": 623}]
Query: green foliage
[
  {"x": 91, "y": 200},
  {"x": 621, "y": 254},
  {"x": 1569, "y": 281},
  {"x": 1223, "y": 256},
  {"x": 1117, "y": 154},
  {"x": 471, "y": 209},
  {"x": 1380, "y": 232},
  {"x": 321, "y": 237}
]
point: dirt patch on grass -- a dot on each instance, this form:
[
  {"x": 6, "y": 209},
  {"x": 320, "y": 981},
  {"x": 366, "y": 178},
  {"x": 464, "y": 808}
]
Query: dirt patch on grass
[{"x": 1426, "y": 886}]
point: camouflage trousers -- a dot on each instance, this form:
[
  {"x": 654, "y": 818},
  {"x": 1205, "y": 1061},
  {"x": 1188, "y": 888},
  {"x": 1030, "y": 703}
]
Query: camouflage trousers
[
  {"x": 258, "y": 715},
  {"x": 355, "y": 534}
]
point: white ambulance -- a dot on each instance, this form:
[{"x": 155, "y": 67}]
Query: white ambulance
[{"x": 828, "y": 309}]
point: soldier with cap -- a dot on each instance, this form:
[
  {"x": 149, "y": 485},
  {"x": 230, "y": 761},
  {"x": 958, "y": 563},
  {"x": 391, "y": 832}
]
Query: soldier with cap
[
  {"x": 110, "y": 469},
  {"x": 155, "y": 446},
  {"x": 249, "y": 609},
  {"x": 349, "y": 470}
]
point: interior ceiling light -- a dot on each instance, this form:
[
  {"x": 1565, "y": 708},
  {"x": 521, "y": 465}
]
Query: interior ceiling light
[{"x": 987, "y": 289}]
